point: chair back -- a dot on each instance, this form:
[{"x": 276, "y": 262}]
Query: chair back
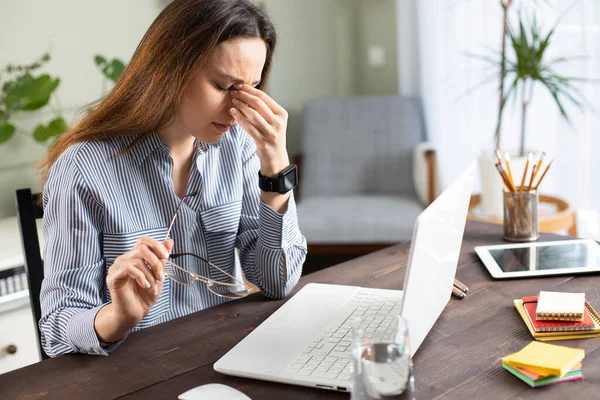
[
  {"x": 29, "y": 209},
  {"x": 360, "y": 145}
]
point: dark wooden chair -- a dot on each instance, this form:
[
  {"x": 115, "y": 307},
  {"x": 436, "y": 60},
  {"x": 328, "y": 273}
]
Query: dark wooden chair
[{"x": 29, "y": 208}]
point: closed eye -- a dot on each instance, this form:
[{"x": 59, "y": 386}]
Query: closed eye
[{"x": 221, "y": 89}]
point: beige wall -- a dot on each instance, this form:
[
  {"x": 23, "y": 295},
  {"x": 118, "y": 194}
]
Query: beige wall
[
  {"x": 322, "y": 52},
  {"x": 73, "y": 31},
  {"x": 377, "y": 27},
  {"x": 309, "y": 61}
]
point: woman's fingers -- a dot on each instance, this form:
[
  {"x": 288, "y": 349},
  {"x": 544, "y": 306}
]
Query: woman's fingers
[
  {"x": 159, "y": 250},
  {"x": 128, "y": 271},
  {"x": 143, "y": 267},
  {"x": 149, "y": 257},
  {"x": 254, "y": 117},
  {"x": 143, "y": 264},
  {"x": 169, "y": 245},
  {"x": 272, "y": 104},
  {"x": 247, "y": 125},
  {"x": 254, "y": 102}
]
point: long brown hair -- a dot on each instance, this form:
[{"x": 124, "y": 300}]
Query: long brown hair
[{"x": 175, "y": 47}]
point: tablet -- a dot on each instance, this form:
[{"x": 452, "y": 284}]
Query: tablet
[{"x": 522, "y": 260}]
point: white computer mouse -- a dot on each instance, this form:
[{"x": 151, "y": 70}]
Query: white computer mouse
[{"x": 213, "y": 391}]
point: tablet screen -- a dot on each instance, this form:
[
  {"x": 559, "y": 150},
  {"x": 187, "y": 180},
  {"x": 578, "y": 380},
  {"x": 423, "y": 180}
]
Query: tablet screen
[{"x": 535, "y": 258}]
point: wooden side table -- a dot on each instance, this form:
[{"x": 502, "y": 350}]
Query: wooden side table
[{"x": 563, "y": 218}]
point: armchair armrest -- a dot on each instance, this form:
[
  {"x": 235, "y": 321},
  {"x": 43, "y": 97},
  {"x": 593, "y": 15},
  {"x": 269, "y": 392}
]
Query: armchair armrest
[{"x": 425, "y": 173}]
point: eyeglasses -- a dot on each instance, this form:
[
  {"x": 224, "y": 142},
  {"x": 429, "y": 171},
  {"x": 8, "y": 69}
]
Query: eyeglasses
[{"x": 234, "y": 289}]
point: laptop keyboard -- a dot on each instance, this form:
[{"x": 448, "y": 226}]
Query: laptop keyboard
[{"x": 329, "y": 355}]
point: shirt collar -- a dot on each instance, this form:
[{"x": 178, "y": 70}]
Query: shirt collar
[
  {"x": 152, "y": 141},
  {"x": 147, "y": 145}
]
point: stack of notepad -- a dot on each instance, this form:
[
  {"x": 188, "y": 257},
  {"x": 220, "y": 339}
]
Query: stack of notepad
[
  {"x": 540, "y": 364},
  {"x": 559, "y": 316}
]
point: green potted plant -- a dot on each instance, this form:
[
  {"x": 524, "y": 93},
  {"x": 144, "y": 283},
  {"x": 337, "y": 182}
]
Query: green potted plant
[
  {"x": 526, "y": 66},
  {"x": 24, "y": 89}
]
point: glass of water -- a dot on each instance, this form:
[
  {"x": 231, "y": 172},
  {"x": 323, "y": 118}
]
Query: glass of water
[{"x": 381, "y": 361}]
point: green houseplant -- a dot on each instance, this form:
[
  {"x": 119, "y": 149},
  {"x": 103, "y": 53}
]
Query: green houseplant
[
  {"x": 24, "y": 89},
  {"x": 532, "y": 66},
  {"x": 523, "y": 62}
]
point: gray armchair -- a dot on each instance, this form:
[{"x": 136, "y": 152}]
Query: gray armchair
[{"x": 366, "y": 172}]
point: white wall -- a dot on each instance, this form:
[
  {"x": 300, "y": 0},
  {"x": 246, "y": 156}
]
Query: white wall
[{"x": 73, "y": 31}]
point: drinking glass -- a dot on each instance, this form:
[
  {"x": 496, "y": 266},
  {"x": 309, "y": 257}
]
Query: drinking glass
[{"x": 381, "y": 361}]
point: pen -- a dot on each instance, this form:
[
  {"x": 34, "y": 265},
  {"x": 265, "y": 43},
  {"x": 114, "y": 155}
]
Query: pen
[
  {"x": 461, "y": 286},
  {"x": 458, "y": 293}
]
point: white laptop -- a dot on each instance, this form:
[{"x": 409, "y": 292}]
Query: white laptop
[{"x": 307, "y": 341}]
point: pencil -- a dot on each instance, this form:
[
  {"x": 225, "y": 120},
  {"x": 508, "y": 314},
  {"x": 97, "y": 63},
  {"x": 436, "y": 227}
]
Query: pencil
[
  {"x": 537, "y": 168},
  {"x": 458, "y": 293},
  {"x": 543, "y": 175},
  {"x": 461, "y": 285},
  {"x": 507, "y": 182},
  {"x": 508, "y": 170},
  {"x": 499, "y": 156},
  {"x": 525, "y": 172},
  {"x": 532, "y": 175}
]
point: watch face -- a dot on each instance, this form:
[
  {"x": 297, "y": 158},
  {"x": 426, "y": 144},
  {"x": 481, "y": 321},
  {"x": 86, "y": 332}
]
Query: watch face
[{"x": 290, "y": 178}]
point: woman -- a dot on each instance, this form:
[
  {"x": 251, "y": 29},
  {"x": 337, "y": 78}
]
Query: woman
[{"x": 187, "y": 120}]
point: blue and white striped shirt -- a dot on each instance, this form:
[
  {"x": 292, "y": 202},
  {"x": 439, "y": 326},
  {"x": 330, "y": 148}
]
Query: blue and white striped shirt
[{"x": 96, "y": 206}]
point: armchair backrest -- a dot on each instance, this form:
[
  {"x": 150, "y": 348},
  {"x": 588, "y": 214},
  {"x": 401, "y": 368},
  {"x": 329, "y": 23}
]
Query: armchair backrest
[{"x": 360, "y": 145}]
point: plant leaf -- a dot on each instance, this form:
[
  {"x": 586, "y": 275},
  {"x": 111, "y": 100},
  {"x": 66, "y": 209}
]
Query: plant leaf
[
  {"x": 115, "y": 69},
  {"x": 29, "y": 93},
  {"x": 111, "y": 70},
  {"x": 561, "y": 108},
  {"x": 41, "y": 133},
  {"x": 7, "y": 131},
  {"x": 99, "y": 60},
  {"x": 57, "y": 127}
]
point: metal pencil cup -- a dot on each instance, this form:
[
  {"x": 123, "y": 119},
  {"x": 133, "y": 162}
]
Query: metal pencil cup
[{"x": 521, "y": 216}]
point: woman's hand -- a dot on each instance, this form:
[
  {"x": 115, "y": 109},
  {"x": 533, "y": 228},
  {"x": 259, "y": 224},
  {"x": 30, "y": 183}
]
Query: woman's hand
[
  {"x": 135, "y": 282},
  {"x": 266, "y": 122}
]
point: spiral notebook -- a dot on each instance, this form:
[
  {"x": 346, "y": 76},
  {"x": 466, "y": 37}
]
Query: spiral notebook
[
  {"x": 545, "y": 336},
  {"x": 531, "y": 304},
  {"x": 560, "y": 306}
]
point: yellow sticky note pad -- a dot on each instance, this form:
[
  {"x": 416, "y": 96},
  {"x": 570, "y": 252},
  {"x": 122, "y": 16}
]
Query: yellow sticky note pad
[{"x": 546, "y": 359}]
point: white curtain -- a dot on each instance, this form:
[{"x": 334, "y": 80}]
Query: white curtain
[{"x": 461, "y": 110}]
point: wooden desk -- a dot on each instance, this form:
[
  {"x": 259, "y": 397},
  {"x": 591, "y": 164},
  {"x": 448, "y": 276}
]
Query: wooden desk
[{"x": 460, "y": 358}]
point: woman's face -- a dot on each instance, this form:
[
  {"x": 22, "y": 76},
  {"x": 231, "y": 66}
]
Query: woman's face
[{"x": 204, "y": 109}]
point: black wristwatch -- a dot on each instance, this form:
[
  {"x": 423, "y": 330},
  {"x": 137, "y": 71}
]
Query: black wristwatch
[{"x": 285, "y": 181}]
